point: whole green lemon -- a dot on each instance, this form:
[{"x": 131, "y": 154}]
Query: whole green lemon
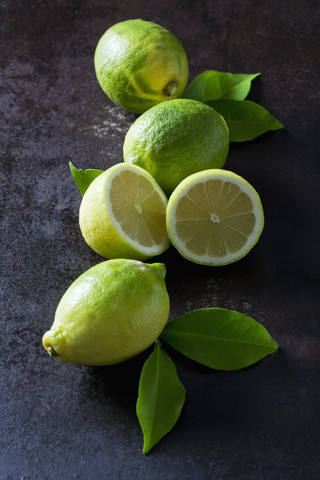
[
  {"x": 175, "y": 139},
  {"x": 139, "y": 64},
  {"x": 112, "y": 312}
]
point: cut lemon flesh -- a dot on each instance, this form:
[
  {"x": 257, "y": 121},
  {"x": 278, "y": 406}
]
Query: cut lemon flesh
[
  {"x": 123, "y": 214},
  {"x": 139, "y": 210},
  {"x": 214, "y": 217}
]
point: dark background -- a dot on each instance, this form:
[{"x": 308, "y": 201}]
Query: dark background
[{"x": 73, "y": 421}]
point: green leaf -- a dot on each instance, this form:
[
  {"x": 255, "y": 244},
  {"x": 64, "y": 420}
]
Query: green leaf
[
  {"x": 211, "y": 85},
  {"x": 246, "y": 120},
  {"x": 83, "y": 178},
  {"x": 161, "y": 397},
  {"x": 219, "y": 338}
]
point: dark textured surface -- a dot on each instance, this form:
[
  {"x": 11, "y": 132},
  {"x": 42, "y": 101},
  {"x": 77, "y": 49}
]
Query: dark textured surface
[{"x": 71, "y": 421}]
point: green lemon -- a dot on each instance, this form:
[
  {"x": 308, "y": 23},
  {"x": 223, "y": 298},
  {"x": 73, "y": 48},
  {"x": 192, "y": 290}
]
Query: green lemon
[
  {"x": 112, "y": 312},
  {"x": 175, "y": 139},
  {"x": 139, "y": 64},
  {"x": 214, "y": 217},
  {"x": 123, "y": 214}
]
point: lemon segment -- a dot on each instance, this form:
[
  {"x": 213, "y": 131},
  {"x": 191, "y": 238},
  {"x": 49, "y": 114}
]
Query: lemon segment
[
  {"x": 123, "y": 214},
  {"x": 214, "y": 217}
]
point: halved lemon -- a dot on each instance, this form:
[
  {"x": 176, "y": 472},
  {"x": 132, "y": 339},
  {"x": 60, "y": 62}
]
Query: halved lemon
[
  {"x": 123, "y": 214},
  {"x": 214, "y": 217}
]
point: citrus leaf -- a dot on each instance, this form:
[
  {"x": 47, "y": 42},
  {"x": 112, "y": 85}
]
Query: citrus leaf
[
  {"x": 83, "y": 178},
  {"x": 246, "y": 120},
  {"x": 219, "y": 338},
  {"x": 211, "y": 85},
  {"x": 161, "y": 397}
]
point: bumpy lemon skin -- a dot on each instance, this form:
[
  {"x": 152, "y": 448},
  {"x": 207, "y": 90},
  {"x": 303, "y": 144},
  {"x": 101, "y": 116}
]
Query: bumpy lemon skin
[
  {"x": 112, "y": 312},
  {"x": 176, "y": 139},
  {"x": 139, "y": 64}
]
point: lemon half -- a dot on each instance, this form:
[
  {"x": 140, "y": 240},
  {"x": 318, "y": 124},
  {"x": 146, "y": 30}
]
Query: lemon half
[
  {"x": 123, "y": 214},
  {"x": 214, "y": 217}
]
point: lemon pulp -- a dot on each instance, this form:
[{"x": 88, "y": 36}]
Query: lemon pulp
[
  {"x": 214, "y": 217},
  {"x": 123, "y": 214},
  {"x": 138, "y": 209}
]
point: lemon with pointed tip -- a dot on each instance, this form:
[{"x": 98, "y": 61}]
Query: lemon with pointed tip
[
  {"x": 123, "y": 214},
  {"x": 139, "y": 64},
  {"x": 214, "y": 217},
  {"x": 112, "y": 312}
]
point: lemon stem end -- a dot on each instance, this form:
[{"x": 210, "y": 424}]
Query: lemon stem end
[
  {"x": 159, "y": 270},
  {"x": 170, "y": 89}
]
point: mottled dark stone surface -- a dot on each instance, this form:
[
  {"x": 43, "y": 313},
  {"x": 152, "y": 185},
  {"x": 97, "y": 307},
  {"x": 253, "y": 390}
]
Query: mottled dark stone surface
[{"x": 71, "y": 421}]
